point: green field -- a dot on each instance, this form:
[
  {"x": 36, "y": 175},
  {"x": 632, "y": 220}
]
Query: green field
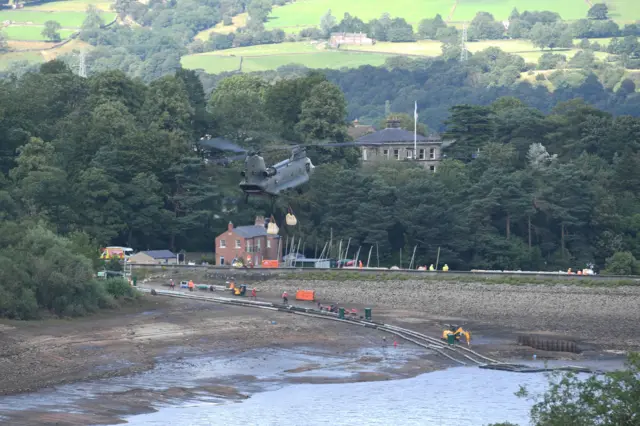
[
  {"x": 305, "y": 13},
  {"x": 32, "y": 32},
  {"x": 66, "y": 19},
  {"x": 27, "y": 23},
  {"x": 73, "y": 5},
  {"x": 272, "y": 56}
]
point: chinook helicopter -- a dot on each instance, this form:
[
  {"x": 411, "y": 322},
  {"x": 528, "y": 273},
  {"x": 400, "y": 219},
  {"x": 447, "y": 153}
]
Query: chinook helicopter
[{"x": 262, "y": 180}]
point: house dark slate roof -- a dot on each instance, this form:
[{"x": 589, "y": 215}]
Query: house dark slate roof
[
  {"x": 160, "y": 254},
  {"x": 391, "y": 135}
]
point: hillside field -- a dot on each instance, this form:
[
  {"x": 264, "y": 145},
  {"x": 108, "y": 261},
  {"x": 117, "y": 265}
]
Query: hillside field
[
  {"x": 27, "y": 23},
  {"x": 301, "y": 14},
  {"x": 272, "y": 56},
  {"x": 306, "y": 13}
]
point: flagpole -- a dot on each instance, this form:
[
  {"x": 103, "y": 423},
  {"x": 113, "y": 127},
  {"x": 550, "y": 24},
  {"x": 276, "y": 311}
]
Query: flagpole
[{"x": 415, "y": 132}]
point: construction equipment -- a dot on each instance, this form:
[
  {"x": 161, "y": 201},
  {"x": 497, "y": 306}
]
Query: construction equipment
[
  {"x": 240, "y": 291},
  {"x": 457, "y": 332}
]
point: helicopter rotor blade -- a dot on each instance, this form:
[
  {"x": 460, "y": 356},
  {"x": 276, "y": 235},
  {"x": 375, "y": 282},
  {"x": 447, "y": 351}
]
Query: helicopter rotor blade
[{"x": 221, "y": 144}]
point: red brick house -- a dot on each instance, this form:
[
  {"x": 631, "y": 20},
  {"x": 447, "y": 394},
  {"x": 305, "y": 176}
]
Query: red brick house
[{"x": 250, "y": 243}]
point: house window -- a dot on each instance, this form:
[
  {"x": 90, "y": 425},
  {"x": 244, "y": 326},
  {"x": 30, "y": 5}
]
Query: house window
[
  {"x": 238, "y": 244},
  {"x": 409, "y": 154},
  {"x": 223, "y": 244},
  {"x": 258, "y": 246},
  {"x": 385, "y": 153},
  {"x": 422, "y": 154},
  {"x": 249, "y": 247},
  {"x": 432, "y": 168},
  {"x": 222, "y": 260},
  {"x": 396, "y": 154},
  {"x": 268, "y": 243},
  {"x": 364, "y": 154},
  {"x": 432, "y": 153}
]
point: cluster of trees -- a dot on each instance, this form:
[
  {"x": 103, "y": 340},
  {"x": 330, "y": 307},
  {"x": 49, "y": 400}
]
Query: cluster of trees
[
  {"x": 111, "y": 160},
  {"x": 546, "y": 192},
  {"x": 610, "y": 399}
]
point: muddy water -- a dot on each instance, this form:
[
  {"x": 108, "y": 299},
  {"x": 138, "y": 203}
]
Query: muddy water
[
  {"x": 477, "y": 396},
  {"x": 458, "y": 396}
]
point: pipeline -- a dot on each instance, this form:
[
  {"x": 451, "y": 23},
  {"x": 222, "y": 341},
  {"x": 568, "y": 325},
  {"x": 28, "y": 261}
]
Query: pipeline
[
  {"x": 408, "y": 335},
  {"x": 424, "y": 341}
]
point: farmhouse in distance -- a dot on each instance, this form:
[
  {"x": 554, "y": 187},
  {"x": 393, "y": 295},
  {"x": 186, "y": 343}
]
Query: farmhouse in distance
[{"x": 357, "y": 39}]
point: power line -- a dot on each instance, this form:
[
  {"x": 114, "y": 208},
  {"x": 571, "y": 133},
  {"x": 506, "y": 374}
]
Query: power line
[
  {"x": 463, "y": 44},
  {"x": 82, "y": 68}
]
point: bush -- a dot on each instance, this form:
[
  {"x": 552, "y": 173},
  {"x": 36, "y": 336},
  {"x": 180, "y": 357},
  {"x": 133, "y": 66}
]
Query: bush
[
  {"x": 119, "y": 288},
  {"x": 621, "y": 263}
]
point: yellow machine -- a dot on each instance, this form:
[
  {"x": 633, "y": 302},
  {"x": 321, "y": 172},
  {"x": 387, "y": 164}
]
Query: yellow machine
[{"x": 457, "y": 332}]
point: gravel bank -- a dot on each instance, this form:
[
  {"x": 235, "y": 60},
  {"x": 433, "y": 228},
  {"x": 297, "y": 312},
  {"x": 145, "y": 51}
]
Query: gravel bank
[{"x": 598, "y": 315}]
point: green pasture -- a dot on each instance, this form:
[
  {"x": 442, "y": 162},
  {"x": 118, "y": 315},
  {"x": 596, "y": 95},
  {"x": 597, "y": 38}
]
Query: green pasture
[
  {"x": 272, "y": 56},
  {"x": 39, "y": 17},
  {"x": 72, "y": 5},
  {"x": 306, "y": 13},
  {"x": 215, "y": 64},
  {"x": 31, "y": 33}
]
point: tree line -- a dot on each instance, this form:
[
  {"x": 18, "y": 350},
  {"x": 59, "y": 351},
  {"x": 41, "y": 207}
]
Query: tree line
[{"x": 112, "y": 160}]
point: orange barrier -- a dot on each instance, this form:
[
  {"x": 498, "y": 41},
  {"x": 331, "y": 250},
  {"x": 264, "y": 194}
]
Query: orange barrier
[
  {"x": 309, "y": 295},
  {"x": 270, "y": 263}
]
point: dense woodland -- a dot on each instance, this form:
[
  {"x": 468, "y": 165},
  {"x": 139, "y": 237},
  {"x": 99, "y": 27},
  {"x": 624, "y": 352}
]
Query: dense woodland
[
  {"x": 114, "y": 159},
  {"x": 111, "y": 159}
]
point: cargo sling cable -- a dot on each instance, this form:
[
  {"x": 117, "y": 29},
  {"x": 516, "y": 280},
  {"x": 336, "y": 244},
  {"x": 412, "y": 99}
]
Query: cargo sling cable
[{"x": 451, "y": 352}]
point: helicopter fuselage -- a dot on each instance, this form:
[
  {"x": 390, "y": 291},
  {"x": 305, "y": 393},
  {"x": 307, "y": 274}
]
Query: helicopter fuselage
[{"x": 287, "y": 174}]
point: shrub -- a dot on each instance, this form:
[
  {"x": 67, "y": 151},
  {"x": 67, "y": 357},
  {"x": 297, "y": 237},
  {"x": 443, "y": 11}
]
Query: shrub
[
  {"x": 621, "y": 263},
  {"x": 119, "y": 288}
]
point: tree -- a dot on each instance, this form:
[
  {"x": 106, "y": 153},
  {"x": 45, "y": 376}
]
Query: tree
[
  {"x": 323, "y": 114},
  {"x": 93, "y": 20},
  {"x": 598, "y": 11},
  {"x": 258, "y": 10},
  {"x": 283, "y": 101},
  {"x": 551, "y": 35},
  {"x": 51, "y": 30},
  {"x": 327, "y": 22},
  {"x": 237, "y": 107},
  {"x": 610, "y": 399},
  {"x": 428, "y": 28}
]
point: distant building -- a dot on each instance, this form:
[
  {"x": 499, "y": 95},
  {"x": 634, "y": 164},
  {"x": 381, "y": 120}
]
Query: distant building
[
  {"x": 250, "y": 243},
  {"x": 394, "y": 143},
  {"x": 162, "y": 257},
  {"x": 358, "y": 39},
  {"x": 357, "y": 130}
]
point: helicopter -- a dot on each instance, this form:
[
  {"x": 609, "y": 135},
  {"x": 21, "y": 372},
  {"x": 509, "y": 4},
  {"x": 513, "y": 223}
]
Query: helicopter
[{"x": 262, "y": 180}]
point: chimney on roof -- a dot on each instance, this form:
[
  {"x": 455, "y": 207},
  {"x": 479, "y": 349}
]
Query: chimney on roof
[
  {"x": 393, "y": 123},
  {"x": 230, "y": 227},
  {"x": 259, "y": 221}
]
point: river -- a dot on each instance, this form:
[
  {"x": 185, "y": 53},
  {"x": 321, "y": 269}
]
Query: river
[{"x": 456, "y": 396}]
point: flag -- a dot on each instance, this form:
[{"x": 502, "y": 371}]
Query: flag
[{"x": 415, "y": 113}]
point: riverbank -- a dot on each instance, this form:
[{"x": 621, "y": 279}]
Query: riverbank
[
  {"x": 196, "y": 343},
  {"x": 597, "y": 317},
  {"x": 174, "y": 350}
]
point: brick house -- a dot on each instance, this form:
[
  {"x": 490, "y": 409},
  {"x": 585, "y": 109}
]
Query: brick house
[{"x": 250, "y": 243}]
